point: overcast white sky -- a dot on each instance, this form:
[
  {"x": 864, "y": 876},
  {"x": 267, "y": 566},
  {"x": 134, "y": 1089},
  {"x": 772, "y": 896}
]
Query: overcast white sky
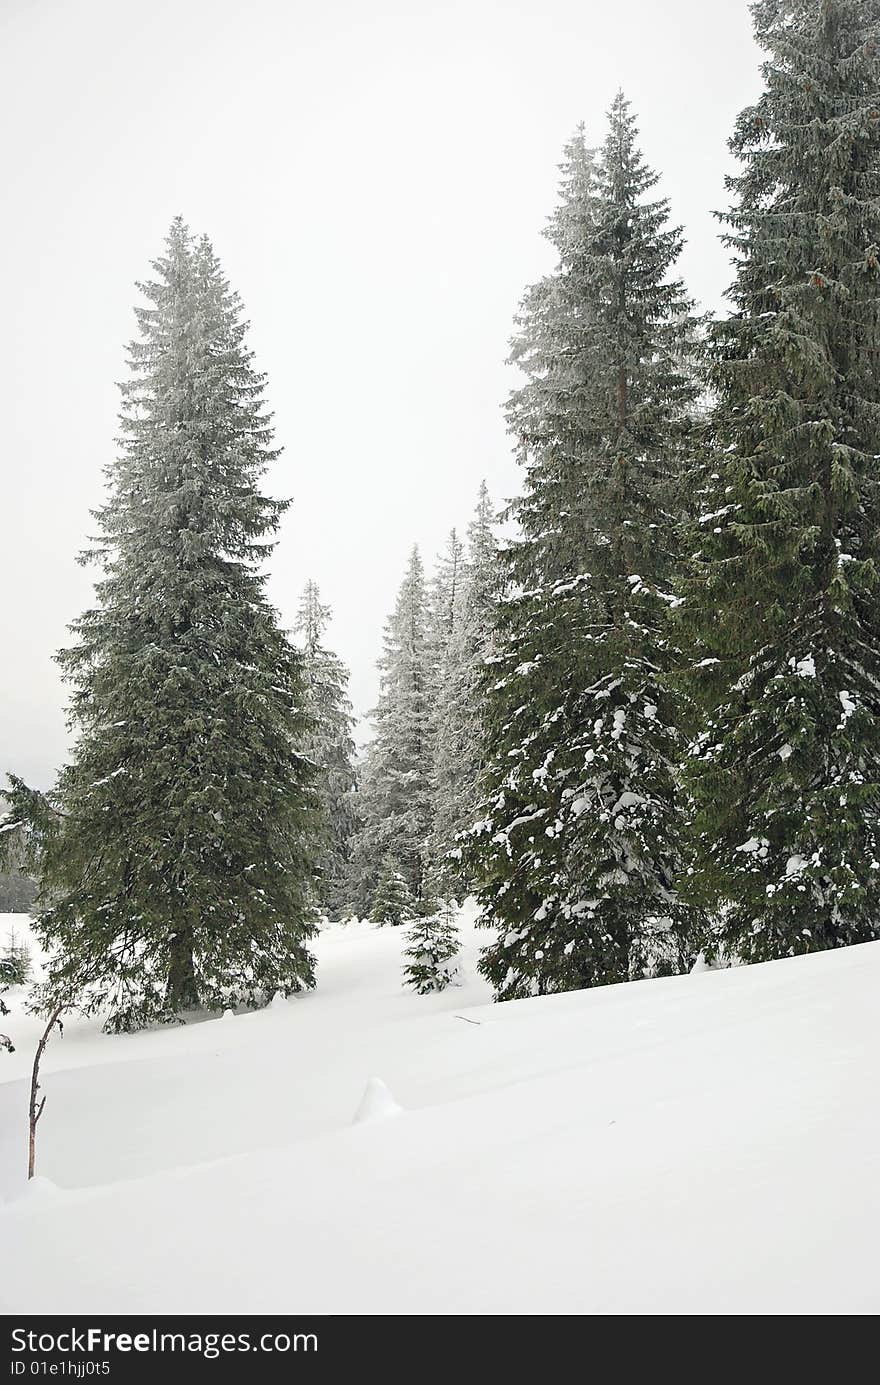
[{"x": 374, "y": 177}]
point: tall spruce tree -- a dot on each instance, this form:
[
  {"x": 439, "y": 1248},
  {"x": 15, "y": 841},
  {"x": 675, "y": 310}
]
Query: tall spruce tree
[
  {"x": 579, "y": 847},
  {"x": 177, "y": 870},
  {"x": 458, "y": 744},
  {"x": 444, "y": 597},
  {"x": 330, "y": 746},
  {"x": 395, "y": 793},
  {"x": 784, "y": 597}
]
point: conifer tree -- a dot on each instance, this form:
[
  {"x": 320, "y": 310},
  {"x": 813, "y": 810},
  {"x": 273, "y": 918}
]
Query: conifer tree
[
  {"x": 784, "y": 597},
  {"x": 458, "y": 745},
  {"x": 176, "y": 870},
  {"x": 17, "y": 888},
  {"x": 432, "y": 947},
  {"x": 15, "y": 959},
  {"x": 393, "y": 902},
  {"x": 17, "y": 893},
  {"x": 395, "y": 794},
  {"x": 330, "y": 746},
  {"x": 444, "y": 599},
  {"x": 579, "y": 847}
]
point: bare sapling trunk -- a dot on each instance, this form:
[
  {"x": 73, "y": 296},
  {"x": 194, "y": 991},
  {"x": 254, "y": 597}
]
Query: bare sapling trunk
[{"x": 35, "y": 1109}]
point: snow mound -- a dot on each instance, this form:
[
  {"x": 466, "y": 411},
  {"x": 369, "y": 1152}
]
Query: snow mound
[
  {"x": 376, "y": 1104},
  {"x": 39, "y": 1192}
]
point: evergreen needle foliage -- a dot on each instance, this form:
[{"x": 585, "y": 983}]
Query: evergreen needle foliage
[
  {"x": 176, "y": 854},
  {"x": 393, "y": 901},
  {"x": 459, "y": 665},
  {"x": 6, "y": 980},
  {"x": 329, "y": 745},
  {"x": 784, "y": 596},
  {"x": 432, "y": 946},
  {"x": 15, "y": 960},
  {"x": 396, "y": 789},
  {"x": 579, "y": 846}
]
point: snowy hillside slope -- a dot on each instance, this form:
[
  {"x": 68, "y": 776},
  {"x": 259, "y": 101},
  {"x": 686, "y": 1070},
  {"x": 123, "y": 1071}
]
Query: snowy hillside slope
[{"x": 699, "y": 1144}]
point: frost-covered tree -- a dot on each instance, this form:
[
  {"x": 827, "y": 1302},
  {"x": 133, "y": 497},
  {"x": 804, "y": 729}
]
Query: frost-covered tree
[
  {"x": 431, "y": 951},
  {"x": 784, "y": 597},
  {"x": 445, "y": 593},
  {"x": 15, "y": 959},
  {"x": 330, "y": 746},
  {"x": 177, "y": 871},
  {"x": 17, "y": 889},
  {"x": 579, "y": 847},
  {"x": 17, "y": 893},
  {"x": 444, "y": 597},
  {"x": 396, "y": 795},
  {"x": 458, "y": 743},
  {"x": 393, "y": 901},
  {"x": 27, "y": 816}
]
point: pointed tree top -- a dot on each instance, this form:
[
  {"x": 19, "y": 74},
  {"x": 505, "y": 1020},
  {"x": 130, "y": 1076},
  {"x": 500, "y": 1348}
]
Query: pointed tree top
[{"x": 312, "y": 617}]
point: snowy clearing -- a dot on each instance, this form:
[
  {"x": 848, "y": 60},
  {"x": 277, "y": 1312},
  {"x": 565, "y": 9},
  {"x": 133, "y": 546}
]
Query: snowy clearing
[{"x": 701, "y": 1144}]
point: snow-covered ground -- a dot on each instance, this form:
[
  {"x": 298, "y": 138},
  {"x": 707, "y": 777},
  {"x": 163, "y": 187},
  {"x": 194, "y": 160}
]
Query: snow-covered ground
[{"x": 702, "y": 1144}]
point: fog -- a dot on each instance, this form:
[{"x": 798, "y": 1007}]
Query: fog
[{"x": 374, "y": 178}]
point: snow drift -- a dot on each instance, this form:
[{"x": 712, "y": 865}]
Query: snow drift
[{"x": 700, "y": 1144}]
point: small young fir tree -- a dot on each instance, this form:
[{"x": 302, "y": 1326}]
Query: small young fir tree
[
  {"x": 15, "y": 960},
  {"x": 431, "y": 951},
  {"x": 393, "y": 902}
]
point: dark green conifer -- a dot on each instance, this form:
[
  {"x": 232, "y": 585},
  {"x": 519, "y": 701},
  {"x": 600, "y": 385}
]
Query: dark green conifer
[
  {"x": 329, "y": 745},
  {"x": 432, "y": 947},
  {"x": 393, "y": 901},
  {"x": 579, "y": 849},
  {"x": 176, "y": 868},
  {"x": 783, "y": 601}
]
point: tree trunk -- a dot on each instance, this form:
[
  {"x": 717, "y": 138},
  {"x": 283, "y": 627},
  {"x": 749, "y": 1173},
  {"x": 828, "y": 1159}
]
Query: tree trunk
[
  {"x": 183, "y": 992},
  {"x": 35, "y": 1107}
]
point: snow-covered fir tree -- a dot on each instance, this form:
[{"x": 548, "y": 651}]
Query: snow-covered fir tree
[
  {"x": 17, "y": 887},
  {"x": 393, "y": 902},
  {"x": 330, "y": 746},
  {"x": 431, "y": 951},
  {"x": 15, "y": 959},
  {"x": 395, "y": 796},
  {"x": 579, "y": 848},
  {"x": 784, "y": 596},
  {"x": 17, "y": 893},
  {"x": 444, "y": 596},
  {"x": 178, "y": 868},
  {"x": 458, "y": 742},
  {"x": 445, "y": 592}
]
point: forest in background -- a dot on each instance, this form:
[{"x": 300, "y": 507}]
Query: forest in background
[{"x": 638, "y": 721}]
